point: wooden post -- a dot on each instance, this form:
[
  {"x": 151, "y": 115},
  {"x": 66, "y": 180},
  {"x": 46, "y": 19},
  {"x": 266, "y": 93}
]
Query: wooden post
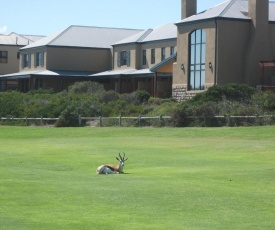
[
  {"x": 155, "y": 85},
  {"x": 119, "y": 120},
  {"x": 100, "y": 121},
  {"x": 79, "y": 120}
]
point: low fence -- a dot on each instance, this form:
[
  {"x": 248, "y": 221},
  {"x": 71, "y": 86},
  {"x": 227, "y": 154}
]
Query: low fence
[
  {"x": 95, "y": 121},
  {"x": 226, "y": 120}
]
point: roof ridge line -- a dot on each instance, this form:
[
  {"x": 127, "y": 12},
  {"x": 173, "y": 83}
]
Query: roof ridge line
[
  {"x": 104, "y": 27},
  {"x": 227, "y": 7},
  {"x": 59, "y": 34},
  {"x": 144, "y": 35}
]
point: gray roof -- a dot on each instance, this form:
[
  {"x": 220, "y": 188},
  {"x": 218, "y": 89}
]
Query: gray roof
[
  {"x": 167, "y": 31},
  {"x": 18, "y": 39},
  {"x": 164, "y": 62},
  {"x": 85, "y": 36},
  {"x": 236, "y": 9},
  {"x": 43, "y": 73},
  {"x": 123, "y": 72}
]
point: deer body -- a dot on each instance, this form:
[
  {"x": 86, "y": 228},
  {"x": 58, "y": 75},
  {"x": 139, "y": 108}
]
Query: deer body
[{"x": 112, "y": 169}]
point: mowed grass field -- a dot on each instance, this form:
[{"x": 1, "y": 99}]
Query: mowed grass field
[{"x": 175, "y": 178}]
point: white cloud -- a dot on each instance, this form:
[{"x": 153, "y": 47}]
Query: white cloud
[{"x": 3, "y": 30}]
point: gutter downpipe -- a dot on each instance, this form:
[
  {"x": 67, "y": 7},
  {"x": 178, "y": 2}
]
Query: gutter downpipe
[{"x": 216, "y": 52}]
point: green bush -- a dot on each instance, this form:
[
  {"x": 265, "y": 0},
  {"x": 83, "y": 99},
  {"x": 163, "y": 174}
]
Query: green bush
[
  {"x": 142, "y": 96},
  {"x": 68, "y": 118},
  {"x": 87, "y": 87},
  {"x": 89, "y": 99}
]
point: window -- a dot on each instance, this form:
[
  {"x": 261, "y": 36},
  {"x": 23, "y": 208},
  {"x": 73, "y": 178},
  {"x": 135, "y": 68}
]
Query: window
[
  {"x": 163, "y": 53},
  {"x": 26, "y": 60},
  {"x": 39, "y": 59},
  {"x": 197, "y": 41},
  {"x": 123, "y": 58},
  {"x": 153, "y": 56},
  {"x": 3, "y": 56},
  {"x": 172, "y": 50},
  {"x": 144, "y": 61}
]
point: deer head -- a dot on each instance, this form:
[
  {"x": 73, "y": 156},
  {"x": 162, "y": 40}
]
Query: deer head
[
  {"x": 121, "y": 162},
  {"x": 121, "y": 159}
]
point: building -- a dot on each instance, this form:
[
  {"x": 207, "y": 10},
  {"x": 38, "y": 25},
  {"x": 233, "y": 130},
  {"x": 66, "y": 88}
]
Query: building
[
  {"x": 224, "y": 44},
  {"x": 233, "y": 42},
  {"x": 144, "y": 61},
  {"x": 67, "y": 56},
  {"x": 9, "y": 54}
]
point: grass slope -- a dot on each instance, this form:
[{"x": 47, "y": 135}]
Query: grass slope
[{"x": 191, "y": 178}]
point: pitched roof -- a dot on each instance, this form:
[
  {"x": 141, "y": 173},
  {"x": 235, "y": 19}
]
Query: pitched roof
[
  {"x": 236, "y": 9},
  {"x": 167, "y": 31},
  {"x": 18, "y": 39},
  {"x": 85, "y": 36}
]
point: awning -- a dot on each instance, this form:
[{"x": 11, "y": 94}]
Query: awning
[{"x": 45, "y": 73}]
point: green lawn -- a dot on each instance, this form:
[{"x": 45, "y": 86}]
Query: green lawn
[{"x": 175, "y": 178}]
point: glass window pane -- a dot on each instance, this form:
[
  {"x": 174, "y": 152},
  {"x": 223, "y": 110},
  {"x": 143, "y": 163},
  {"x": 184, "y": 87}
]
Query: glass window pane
[
  {"x": 198, "y": 67},
  {"x": 198, "y": 54},
  {"x": 192, "y": 79},
  {"x": 192, "y": 54},
  {"x": 203, "y": 37},
  {"x": 193, "y": 37},
  {"x": 203, "y": 53},
  {"x": 197, "y": 80},
  {"x": 198, "y": 36}
]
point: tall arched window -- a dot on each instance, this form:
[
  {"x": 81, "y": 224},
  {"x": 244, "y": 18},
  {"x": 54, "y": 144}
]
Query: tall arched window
[{"x": 197, "y": 60}]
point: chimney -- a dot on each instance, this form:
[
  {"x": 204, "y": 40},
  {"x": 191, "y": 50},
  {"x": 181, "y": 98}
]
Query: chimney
[
  {"x": 188, "y": 8},
  {"x": 258, "y": 10}
]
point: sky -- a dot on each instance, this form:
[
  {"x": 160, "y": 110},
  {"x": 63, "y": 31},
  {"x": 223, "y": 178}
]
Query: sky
[{"x": 44, "y": 17}]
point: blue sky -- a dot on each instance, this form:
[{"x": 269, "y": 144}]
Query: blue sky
[{"x": 44, "y": 17}]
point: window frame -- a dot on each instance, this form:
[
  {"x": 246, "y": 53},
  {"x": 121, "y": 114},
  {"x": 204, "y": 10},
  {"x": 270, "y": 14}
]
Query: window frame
[
  {"x": 123, "y": 58},
  {"x": 197, "y": 56},
  {"x": 172, "y": 50},
  {"x": 26, "y": 61},
  {"x": 39, "y": 59},
  {"x": 144, "y": 59},
  {"x": 153, "y": 56},
  {"x": 163, "y": 53},
  {"x": 4, "y": 58}
]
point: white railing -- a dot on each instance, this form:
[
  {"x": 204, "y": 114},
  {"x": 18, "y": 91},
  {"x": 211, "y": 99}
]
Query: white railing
[{"x": 120, "y": 120}]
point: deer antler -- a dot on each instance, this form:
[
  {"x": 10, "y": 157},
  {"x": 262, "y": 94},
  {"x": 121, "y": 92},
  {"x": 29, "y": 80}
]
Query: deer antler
[{"x": 124, "y": 157}]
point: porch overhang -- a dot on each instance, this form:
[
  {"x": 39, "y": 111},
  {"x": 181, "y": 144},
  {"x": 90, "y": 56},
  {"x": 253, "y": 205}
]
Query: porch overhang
[{"x": 46, "y": 74}]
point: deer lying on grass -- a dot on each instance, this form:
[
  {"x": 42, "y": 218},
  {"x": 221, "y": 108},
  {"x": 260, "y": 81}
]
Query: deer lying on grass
[{"x": 112, "y": 169}]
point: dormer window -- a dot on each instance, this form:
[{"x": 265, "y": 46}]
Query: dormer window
[
  {"x": 26, "y": 60},
  {"x": 123, "y": 58},
  {"x": 39, "y": 59}
]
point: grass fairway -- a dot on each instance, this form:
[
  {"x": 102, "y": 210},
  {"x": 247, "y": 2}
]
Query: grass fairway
[{"x": 189, "y": 178}]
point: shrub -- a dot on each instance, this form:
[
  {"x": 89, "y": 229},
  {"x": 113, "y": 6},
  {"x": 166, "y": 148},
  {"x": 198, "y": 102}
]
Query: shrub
[
  {"x": 68, "y": 118},
  {"x": 87, "y": 87},
  {"x": 142, "y": 96},
  {"x": 233, "y": 92}
]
